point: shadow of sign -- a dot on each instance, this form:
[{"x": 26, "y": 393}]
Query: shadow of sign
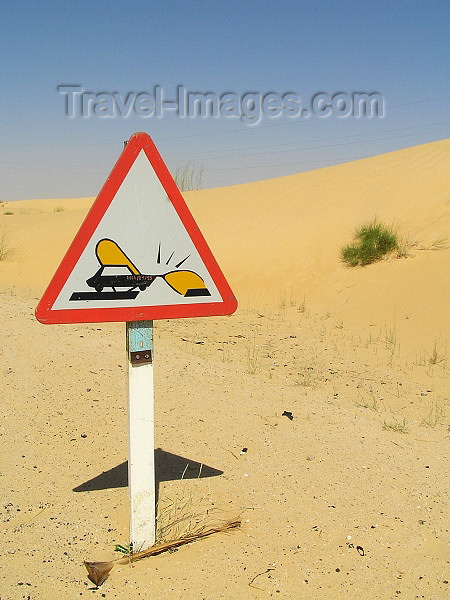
[{"x": 168, "y": 467}]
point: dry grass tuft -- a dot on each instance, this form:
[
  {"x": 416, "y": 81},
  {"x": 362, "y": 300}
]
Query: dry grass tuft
[
  {"x": 5, "y": 249},
  {"x": 397, "y": 426},
  {"x": 188, "y": 177}
]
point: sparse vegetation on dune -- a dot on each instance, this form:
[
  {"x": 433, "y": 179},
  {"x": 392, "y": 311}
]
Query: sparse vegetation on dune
[
  {"x": 396, "y": 425},
  {"x": 372, "y": 242},
  {"x": 4, "y": 243},
  {"x": 188, "y": 177}
]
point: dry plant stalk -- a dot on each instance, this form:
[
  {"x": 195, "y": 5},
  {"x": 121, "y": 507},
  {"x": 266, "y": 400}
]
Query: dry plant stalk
[{"x": 99, "y": 571}]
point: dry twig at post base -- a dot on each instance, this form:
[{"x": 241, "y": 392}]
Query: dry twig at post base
[{"x": 99, "y": 571}]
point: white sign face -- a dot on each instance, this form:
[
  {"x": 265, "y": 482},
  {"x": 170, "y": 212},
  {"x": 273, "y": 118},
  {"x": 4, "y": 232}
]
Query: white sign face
[
  {"x": 139, "y": 254},
  {"x": 145, "y": 227}
]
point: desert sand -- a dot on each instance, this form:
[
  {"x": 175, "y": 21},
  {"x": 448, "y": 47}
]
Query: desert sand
[{"x": 318, "y": 413}]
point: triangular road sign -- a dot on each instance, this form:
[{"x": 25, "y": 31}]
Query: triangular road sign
[{"x": 139, "y": 254}]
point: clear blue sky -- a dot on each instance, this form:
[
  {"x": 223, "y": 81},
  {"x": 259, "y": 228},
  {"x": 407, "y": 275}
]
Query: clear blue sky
[{"x": 398, "y": 49}]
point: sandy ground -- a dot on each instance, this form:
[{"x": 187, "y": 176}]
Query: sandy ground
[{"x": 318, "y": 411}]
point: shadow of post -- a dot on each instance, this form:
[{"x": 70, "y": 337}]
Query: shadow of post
[{"x": 168, "y": 467}]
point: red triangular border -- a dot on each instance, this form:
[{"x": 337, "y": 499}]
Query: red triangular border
[{"x": 44, "y": 310}]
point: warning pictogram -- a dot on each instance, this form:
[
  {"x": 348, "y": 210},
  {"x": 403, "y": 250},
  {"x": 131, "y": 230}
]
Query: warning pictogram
[
  {"x": 139, "y": 253},
  {"x": 117, "y": 271}
]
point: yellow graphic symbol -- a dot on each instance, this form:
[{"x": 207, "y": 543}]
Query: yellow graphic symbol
[
  {"x": 110, "y": 255},
  {"x": 186, "y": 283}
]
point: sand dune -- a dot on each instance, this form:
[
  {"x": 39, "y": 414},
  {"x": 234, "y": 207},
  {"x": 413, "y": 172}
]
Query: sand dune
[{"x": 278, "y": 241}]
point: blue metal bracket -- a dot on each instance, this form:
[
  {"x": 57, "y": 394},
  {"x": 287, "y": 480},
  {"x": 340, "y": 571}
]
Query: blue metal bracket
[{"x": 140, "y": 341}]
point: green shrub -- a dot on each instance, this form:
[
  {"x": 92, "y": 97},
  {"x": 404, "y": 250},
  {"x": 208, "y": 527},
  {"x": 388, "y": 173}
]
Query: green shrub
[{"x": 371, "y": 243}]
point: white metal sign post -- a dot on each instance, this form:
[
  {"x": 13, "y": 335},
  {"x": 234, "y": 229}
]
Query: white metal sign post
[
  {"x": 138, "y": 256},
  {"x": 141, "y": 462}
]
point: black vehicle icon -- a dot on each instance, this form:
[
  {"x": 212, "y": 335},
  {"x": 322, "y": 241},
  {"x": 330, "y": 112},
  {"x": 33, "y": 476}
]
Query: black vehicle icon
[{"x": 119, "y": 277}]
